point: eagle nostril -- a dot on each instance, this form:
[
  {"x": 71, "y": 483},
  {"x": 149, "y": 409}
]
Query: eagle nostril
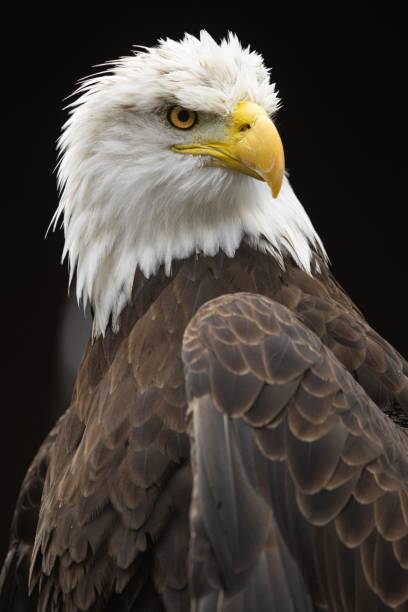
[{"x": 244, "y": 127}]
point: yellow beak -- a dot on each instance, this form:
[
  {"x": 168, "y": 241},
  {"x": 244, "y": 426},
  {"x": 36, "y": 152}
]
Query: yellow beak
[{"x": 253, "y": 146}]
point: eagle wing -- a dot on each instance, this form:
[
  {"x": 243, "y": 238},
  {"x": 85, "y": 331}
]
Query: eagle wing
[
  {"x": 300, "y": 481},
  {"x": 15, "y": 572}
]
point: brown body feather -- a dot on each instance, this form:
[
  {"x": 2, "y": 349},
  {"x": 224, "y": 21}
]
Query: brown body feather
[{"x": 297, "y": 384}]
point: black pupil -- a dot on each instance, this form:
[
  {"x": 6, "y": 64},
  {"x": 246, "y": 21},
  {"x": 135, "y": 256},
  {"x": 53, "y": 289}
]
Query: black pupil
[{"x": 183, "y": 115}]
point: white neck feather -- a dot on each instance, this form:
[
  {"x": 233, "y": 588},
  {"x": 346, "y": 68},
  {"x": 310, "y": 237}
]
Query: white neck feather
[{"x": 125, "y": 227}]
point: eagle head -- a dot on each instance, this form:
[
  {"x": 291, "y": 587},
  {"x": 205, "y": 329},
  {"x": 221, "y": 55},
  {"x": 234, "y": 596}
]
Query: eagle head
[{"x": 169, "y": 152}]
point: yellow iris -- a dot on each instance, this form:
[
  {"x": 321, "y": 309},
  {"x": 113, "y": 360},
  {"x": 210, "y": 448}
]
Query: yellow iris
[{"x": 182, "y": 118}]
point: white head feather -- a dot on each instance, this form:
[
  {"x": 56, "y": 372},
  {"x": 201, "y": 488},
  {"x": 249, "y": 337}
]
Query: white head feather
[{"x": 129, "y": 201}]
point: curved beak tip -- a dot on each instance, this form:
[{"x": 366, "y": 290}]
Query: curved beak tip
[
  {"x": 261, "y": 147},
  {"x": 275, "y": 182}
]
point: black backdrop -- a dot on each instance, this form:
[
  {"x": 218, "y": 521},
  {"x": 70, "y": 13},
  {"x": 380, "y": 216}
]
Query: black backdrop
[{"x": 341, "y": 73}]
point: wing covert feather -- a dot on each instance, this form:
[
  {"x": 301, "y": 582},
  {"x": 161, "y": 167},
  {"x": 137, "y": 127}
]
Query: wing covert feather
[{"x": 303, "y": 459}]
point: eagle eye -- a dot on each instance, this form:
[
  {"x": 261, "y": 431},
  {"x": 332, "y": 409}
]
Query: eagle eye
[{"x": 182, "y": 118}]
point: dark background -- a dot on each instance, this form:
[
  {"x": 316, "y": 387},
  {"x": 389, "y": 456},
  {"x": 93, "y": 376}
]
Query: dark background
[{"x": 341, "y": 72}]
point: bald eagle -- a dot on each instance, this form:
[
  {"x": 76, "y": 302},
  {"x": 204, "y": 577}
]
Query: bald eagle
[{"x": 237, "y": 438}]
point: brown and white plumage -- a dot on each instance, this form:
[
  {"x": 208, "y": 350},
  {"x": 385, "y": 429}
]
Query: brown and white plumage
[{"x": 237, "y": 442}]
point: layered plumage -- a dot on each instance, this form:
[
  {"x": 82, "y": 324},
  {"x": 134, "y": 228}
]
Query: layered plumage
[{"x": 237, "y": 439}]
